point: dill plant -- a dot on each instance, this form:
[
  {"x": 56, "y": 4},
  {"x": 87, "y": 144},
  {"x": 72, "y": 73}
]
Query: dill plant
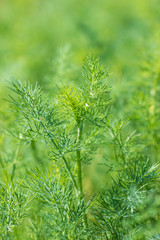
[{"x": 73, "y": 126}]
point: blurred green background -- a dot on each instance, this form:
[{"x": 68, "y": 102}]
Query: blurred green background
[
  {"x": 45, "y": 42},
  {"x": 32, "y": 32}
]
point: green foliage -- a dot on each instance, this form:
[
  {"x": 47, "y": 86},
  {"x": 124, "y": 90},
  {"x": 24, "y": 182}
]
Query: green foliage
[
  {"x": 73, "y": 126},
  {"x": 91, "y": 141},
  {"x": 62, "y": 213},
  {"x": 13, "y": 207},
  {"x": 156, "y": 236},
  {"x": 119, "y": 204}
]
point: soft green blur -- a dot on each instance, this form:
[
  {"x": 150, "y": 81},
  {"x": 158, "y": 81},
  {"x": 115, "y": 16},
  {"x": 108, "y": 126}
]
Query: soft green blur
[
  {"x": 45, "y": 42},
  {"x": 31, "y": 32}
]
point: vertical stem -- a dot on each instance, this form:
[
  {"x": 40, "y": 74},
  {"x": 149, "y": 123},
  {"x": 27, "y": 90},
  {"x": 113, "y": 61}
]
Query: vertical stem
[
  {"x": 79, "y": 137},
  {"x": 80, "y": 186}
]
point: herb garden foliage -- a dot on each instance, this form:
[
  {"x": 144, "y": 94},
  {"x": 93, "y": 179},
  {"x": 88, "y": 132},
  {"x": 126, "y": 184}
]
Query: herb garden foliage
[{"x": 51, "y": 201}]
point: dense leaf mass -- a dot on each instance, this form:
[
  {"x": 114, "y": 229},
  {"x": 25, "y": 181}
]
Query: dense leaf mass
[{"x": 73, "y": 127}]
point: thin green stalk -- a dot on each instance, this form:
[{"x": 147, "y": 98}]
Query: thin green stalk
[
  {"x": 79, "y": 137},
  {"x": 79, "y": 167}
]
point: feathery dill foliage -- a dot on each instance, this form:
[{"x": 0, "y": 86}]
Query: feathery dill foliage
[
  {"x": 73, "y": 126},
  {"x": 13, "y": 208}
]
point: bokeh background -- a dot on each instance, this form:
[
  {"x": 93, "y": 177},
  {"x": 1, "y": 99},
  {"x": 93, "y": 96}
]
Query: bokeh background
[{"x": 46, "y": 41}]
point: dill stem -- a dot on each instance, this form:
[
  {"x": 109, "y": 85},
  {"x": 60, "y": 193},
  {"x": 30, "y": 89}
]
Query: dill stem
[
  {"x": 79, "y": 167},
  {"x": 79, "y": 137}
]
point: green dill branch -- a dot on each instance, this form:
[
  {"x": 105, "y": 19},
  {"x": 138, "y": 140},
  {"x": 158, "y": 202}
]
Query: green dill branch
[
  {"x": 63, "y": 158},
  {"x": 29, "y": 98}
]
